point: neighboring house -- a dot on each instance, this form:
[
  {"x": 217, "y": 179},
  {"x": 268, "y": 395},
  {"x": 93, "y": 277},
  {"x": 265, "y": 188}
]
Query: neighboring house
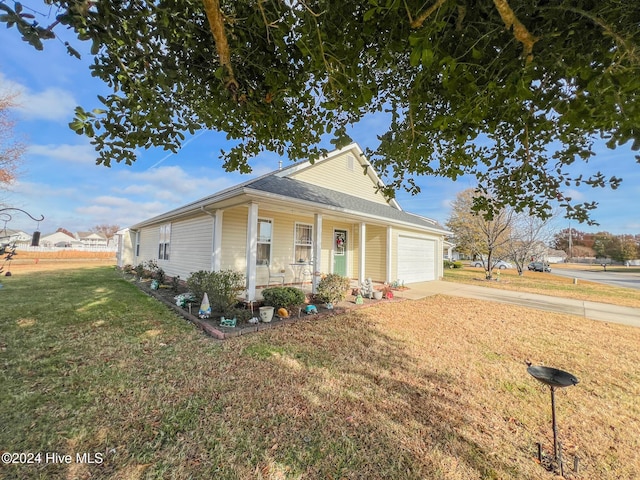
[
  {"x": 59, "y": 239},
  {"x": 449, "y": 253},
  {"x": 92, "y": 239},
  {"x": 325, "y": 217},
  {"x": 556, "y": 256},
  {"x": 10, "y": 236}
]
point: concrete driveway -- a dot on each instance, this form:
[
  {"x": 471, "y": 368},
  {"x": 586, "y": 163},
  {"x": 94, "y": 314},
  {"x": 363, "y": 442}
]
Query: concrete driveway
[{"x": 603, "y": 312}]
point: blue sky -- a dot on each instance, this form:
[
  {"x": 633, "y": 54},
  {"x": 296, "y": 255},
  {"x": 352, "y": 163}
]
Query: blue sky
[{"x": 60, "y": 180}]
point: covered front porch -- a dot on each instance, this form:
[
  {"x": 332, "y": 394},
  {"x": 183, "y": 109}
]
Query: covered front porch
[{"x": 296, "y": 249}]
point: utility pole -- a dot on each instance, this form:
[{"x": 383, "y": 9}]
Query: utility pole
[{"x": 570, "y": 243}]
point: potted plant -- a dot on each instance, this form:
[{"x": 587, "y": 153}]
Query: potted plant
[{"x": 332, "y": 289}]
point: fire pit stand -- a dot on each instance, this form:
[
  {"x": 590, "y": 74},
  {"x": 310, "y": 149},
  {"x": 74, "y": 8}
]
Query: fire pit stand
[{"x": 554, "y": 378}]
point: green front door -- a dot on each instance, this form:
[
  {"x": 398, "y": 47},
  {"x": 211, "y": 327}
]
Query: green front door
[{"x": 340, "y": 252}]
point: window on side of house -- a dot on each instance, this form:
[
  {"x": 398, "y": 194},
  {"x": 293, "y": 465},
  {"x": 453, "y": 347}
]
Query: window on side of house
[
  {"x": 303, "y": 243},
  {"x": 137, "y": 244},
  {"x": 265, "y": 236},
  {"x": 165, "y": 242}
]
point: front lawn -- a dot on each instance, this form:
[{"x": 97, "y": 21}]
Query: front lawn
[{"x": 433, "y": 389}]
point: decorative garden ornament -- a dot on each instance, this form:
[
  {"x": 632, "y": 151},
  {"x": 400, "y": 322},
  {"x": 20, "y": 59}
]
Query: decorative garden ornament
[
  {"x": 205, "y": 307},
  {"x": 228, "y": 322}
]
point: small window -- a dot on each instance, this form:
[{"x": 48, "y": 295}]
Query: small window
[
  {"x": 165, "y": 242},
  {"x": 265, "y": 234},
  {"x": 303, "y": 245}
]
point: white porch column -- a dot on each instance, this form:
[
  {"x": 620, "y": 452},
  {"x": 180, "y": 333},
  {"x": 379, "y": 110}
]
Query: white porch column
[
  {"x": 252, "y": 250},
  {"x": 361, "y": 263},
  {"x": 317, "y": 251},
  {"x": 389, "y": 253},
  {"x": 216, "y": 249}
]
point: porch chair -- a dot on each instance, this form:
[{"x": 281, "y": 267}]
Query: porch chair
[{"x": 274, "y": 276}]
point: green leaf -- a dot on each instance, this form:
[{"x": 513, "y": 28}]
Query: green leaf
[{"x": 427, "y": 57}]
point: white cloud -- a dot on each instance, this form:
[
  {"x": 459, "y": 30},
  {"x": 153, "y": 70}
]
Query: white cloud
[
  {"x": 172, "y": 183},
  {"x": 49, "y": 104},
  {"x": 575, "y": 195},
  {"x": 84, "y": 154},
  {"x": 44, "y": 191},
  {"x": 121, "y": 211}
]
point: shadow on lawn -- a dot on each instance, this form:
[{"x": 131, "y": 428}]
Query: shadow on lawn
[{"x": 346, "y": 400}]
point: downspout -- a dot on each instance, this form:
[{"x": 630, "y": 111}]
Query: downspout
[{"x": 213, "y": 233}]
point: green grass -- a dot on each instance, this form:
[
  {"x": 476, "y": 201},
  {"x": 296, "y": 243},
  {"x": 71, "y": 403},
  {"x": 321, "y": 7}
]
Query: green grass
[
  {"x": 432, "y": 389},
  {"x": 548, "y": 284}
]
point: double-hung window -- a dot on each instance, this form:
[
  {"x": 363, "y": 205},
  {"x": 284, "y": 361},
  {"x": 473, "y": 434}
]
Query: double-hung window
[
  {"x": 265, "y": 235},
  {"x": 164, "y": 245},
  {"x": 303, "y": 243}
]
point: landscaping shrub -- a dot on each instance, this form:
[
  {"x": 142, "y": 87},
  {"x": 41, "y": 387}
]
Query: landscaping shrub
[
  {"x": 450, "y": 264},
  {"x": 175, "y": 283},
  {"x": 222, "y": 287},
  {"x": 149, "y": 269},
  {"x": 160, "y": 276},
  {"x": 283, "y": 297},
  {"x": 333, "y": 288}
]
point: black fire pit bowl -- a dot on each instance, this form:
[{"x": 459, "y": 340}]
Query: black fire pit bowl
[{"x": 552, "y": 376}]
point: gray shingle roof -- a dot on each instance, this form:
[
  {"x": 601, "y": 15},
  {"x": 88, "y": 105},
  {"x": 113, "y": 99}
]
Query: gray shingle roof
[
  {"x": 276, "y": 183},
  {"x": 331, "y": 198}
]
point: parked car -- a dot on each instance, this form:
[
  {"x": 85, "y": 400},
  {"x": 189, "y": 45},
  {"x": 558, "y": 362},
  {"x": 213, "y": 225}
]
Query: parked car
[
  {"x": 501, "y": 264},
  {"x": 539, "y": 267}
]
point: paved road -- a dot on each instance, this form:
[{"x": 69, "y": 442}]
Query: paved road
[
  {"x": 618, "y": 279},
  {"x": 603, "y": 312}
]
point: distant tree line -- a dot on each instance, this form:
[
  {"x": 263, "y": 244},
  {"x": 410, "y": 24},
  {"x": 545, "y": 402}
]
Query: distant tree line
[{"x": 601, "y": 244}]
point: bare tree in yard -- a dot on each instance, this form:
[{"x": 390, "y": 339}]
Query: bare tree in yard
[
  {"x": 528, "y": 235},
  {"x": 107, "y": 230},
  {"x": 10, "y": 150},
  {"x": 479, "y": 236}
]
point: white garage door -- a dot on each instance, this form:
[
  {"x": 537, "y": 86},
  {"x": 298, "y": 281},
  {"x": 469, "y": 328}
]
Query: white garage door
[{"x": 416, "y": 259}]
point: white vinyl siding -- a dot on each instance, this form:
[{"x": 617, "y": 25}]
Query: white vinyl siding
[
  {"x": 416, "y": 259},
  {"x": 234, "y": 239},
  {"x": 376, "y": 253},
  {"x": 191, "y": 246},
  {"x": 335, "y": 174},
  {"x": 149, "y": 238}
]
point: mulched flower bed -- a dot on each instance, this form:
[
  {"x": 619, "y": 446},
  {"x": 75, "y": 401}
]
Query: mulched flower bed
[{"x": 211, "y": 326}]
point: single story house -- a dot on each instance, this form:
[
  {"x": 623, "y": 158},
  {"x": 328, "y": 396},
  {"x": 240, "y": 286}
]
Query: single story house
[
  {"x": 59, "y": 239},
  {"x": 292, "y": 226},
  {"x": 93, "y": 239},
  {"x": 14, "y": 236},
  {"x": 556, "y": 256}
]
